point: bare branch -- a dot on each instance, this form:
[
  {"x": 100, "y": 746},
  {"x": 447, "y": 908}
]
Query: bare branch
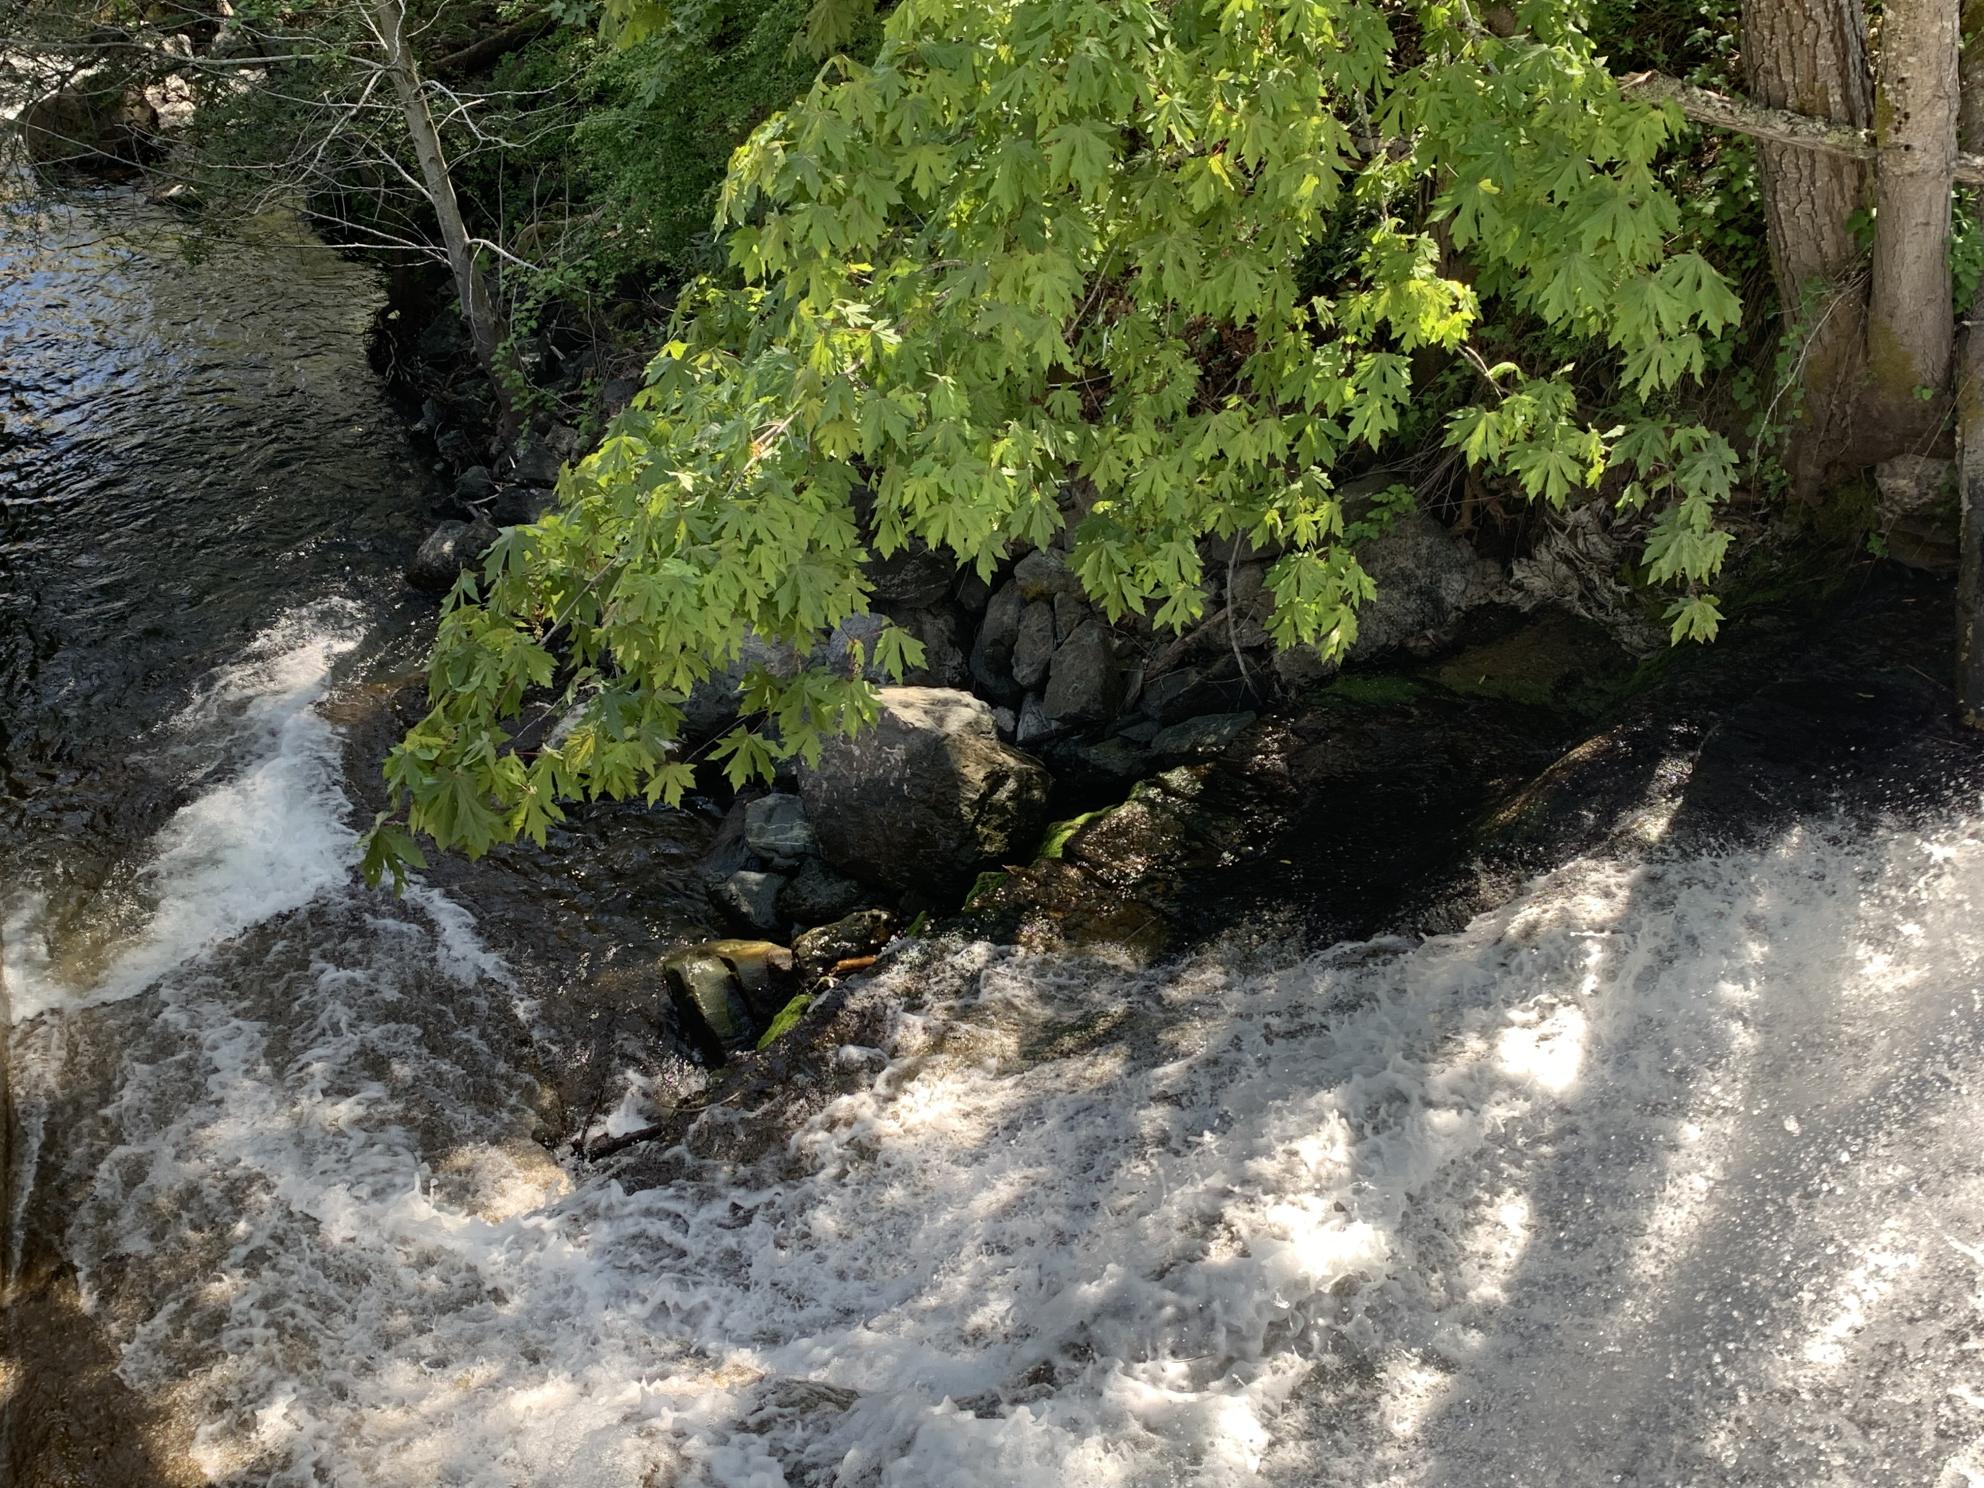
[{"x": 1780, "y": 126}]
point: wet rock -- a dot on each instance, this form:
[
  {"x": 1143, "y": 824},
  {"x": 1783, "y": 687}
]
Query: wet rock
[
  {"x": 1200, "y": 736},
  {"x": 765, "y": 972},
  {"x": 818, "y": 894},
  {"x": 927, "y": 797},
  {"x": 447, "y": 550},
  {"x": 776, "y": 827},
  {"x": 992, "y": 652},
  {"x": 751, "y": 898},
  {"x": 1034, "y": 647},
  {"x": 709, "y": 1003},
  {"x": 1043, "y": 575},
  {"x": 729, "y": 851},
  {"x": 1085, "y": 686},
  {"x": 862, "y": 933}
]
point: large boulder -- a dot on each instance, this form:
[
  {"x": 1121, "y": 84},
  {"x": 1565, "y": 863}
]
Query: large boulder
[
  {"x": 1428, "y": 578},
  {"x": 925, "y": 799}
]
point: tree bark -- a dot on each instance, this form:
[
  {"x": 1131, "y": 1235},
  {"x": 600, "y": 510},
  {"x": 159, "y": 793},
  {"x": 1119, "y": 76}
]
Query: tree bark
[
  {"x": 1810, "y": 57},
  {"x": 479, "y": 308},
  {"x": 1970, "y": 418},
  {"x": 1910, "y": 331}
]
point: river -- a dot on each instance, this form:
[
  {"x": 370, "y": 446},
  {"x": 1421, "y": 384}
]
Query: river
[{"x": 1668, "y": 1170}]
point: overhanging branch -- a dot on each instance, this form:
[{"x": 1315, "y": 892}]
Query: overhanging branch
[{"x": 1779, "y": 126}]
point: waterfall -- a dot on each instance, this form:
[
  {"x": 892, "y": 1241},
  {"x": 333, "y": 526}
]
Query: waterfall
[{"x": 1667, "y": 1171}]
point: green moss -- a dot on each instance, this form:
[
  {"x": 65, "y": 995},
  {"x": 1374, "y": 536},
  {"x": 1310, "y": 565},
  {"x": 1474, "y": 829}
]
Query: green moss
[
  {"x": 787, "y": 1019},
  {"x": 1060, "y": 833},
  {"x": 1377, "y": 690},
  {"x": 984, "y": 884}
]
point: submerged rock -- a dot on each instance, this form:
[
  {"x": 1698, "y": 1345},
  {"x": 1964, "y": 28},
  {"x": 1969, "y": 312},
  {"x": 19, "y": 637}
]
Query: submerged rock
[{"x": 927, "y": 797}]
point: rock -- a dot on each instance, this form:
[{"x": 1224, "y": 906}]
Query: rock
[
  {"x": 1915, "y": 511},
  {"x": 616, "y": 393},
  {"x": 860, "y": 934},
  {"x": 1168, "y": 698},
  {"x": 944, "y": 660},
  {"x": 536, "y": 463},
  {"x": 818, "y": 894},
  {"x": 1301, "y": 667},
  {"x": 711, "y": 706},
  {"x": 1069, "y": 612},
  {"x": 751, "y": 898},
  {"x": 914, "y": 578},
  {"x": 474, "y": 485},
  {"x": 765, "y": 972},
  {"x": 728, "y": 851},
  {"x": 1085, "y": 686},
  {"x": 446, "y": 552},
  {"x": 1427, "y": 579},
  {"x": 708, "y": 1000},
  {"x": 1034, "y": 648},
  {"x": 1034, "y": 726},
  {"x": 992, "y": 652},
  {"x": 927, "y": 797},
  {"x": 1119, "y": 758},
  {"x": 1200, "y": 736},
  {"x": 973, "y": 594},
  {"x": 775, "y": 827},
  {"x": 1042, "y": 575},
  {"x": 1007, "y": 722},
  {"x": 91, "y": 126}
]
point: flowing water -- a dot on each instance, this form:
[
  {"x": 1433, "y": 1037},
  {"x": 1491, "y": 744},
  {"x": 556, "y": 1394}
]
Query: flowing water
[{"x": 1669, "y": 1171}]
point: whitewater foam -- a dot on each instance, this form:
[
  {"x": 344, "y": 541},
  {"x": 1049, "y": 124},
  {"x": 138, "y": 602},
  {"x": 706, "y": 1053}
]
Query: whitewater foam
[{"x": 1520, "y": 1204}]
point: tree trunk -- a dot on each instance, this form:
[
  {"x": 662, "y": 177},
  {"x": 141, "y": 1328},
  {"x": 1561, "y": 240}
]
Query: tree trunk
[
  {"x": 1970, "y": 420},
  {"x": 1810, "y": 56},
  {"x": 479, "y": 308},
  {"x": 1910, "y": 334}
]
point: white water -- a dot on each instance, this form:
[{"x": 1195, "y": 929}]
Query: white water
[{"x": 1670, "y": 1172}]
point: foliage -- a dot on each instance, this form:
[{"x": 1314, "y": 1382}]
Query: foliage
[{"x": 1044, "y": 256}]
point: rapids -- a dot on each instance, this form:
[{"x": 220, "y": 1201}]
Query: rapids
[{"x": 1668, "y": 1170}]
